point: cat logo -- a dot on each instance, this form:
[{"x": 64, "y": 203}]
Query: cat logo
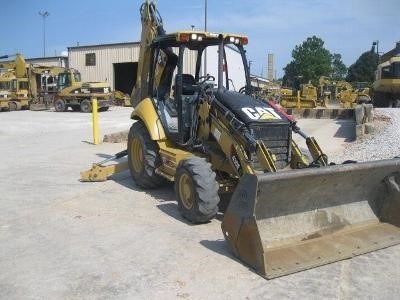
[{"x": 260, "y": 113}]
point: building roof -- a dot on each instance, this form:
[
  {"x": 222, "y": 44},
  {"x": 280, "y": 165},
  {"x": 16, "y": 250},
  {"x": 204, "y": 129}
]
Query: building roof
[
  {"x": 104, "y": 45},
  {"x": 47, "y": 58}
]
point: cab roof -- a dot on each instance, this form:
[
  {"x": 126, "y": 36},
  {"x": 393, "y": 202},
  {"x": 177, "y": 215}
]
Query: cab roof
[{"x": 204, "y": 38}]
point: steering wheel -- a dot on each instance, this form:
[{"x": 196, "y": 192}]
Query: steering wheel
[
  {"x": 208, "y": 77},
  {"x": 243, "y": 90}
]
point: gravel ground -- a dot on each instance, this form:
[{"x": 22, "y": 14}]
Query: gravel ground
[{"x": 384, "y": 143}]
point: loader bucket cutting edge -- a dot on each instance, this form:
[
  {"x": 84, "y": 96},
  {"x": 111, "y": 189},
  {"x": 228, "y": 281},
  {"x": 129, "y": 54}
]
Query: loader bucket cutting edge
[{"x": 285, "y": 222}]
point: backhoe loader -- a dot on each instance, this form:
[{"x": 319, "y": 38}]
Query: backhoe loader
[{"x": 286, "y": 213}]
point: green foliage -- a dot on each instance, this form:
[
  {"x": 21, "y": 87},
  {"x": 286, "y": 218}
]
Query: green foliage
[
  {"x": 339, "y": 69},
  {"x": 364, "y": 68},
  {"x": 310, "y": 61}
]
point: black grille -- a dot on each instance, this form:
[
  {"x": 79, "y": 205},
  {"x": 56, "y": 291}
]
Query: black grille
[{"x": 277, "y": 138}]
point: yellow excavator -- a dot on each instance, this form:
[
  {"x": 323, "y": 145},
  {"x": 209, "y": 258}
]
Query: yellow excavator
[{"x": 285, "y": 212}]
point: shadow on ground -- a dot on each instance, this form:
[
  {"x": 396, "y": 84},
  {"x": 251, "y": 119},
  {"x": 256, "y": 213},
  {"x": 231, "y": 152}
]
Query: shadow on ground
[{"x": 346, "y": 131}]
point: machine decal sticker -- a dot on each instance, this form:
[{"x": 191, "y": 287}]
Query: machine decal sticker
[{"x": 260, "y": 113}]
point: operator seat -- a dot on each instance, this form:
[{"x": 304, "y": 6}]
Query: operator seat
[{"x": 188, "y": 84}]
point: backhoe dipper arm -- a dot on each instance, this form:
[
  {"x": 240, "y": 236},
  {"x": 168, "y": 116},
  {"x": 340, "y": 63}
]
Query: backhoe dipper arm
[{"x": 152, "y": 27}]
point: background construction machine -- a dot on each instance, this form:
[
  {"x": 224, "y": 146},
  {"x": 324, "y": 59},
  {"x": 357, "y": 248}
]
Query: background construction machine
[
  {"x": 350, "y": 96},
  {"x": 286, "y": 213},
  {"x": 78, "y": 95},
  {"x": 386, "y": 88},
  {"x": 14, "y": 84},
  {"x": 304, "y": 97},
  {"x": 40, "y": 87}
]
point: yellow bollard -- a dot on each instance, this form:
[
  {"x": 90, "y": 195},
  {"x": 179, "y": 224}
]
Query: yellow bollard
[{"x": 95, "y": 122}]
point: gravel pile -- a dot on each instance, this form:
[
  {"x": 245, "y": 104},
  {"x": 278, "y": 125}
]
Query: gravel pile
[{"x": 384, "y": 143}]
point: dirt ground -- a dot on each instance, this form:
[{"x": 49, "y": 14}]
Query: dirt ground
[{"x": 63, "y": 239}]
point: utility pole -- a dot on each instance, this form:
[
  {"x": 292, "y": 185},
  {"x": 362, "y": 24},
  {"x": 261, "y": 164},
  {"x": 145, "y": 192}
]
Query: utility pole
[
  {"x": 376, "y": 43},
  {"x": 44, "y": 16},
  {"x": 205, "y": 29}
]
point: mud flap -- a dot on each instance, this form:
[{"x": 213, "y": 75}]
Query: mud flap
[{"x": 285, "y": 222}]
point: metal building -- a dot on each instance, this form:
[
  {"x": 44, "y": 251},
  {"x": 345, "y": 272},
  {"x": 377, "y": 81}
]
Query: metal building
[{"x": 113, "y": 63}]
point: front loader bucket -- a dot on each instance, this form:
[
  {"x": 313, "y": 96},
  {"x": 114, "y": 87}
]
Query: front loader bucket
[{"x": 285, "y": 222}]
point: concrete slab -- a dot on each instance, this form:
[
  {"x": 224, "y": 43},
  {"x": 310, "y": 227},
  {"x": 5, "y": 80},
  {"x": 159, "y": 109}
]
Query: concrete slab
[{"x": 63, "y": 239}]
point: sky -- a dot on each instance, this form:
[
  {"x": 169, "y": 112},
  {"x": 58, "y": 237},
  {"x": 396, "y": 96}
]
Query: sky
[{"x": 347, "y": 27}]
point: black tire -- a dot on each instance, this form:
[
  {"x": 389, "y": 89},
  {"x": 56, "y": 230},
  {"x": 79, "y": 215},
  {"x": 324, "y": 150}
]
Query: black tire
[
  {"x": 86, "y": 106},
  {"x": 12, "y": 106},
  {"x": 59, "y": 105},
  {"x": 196, "y": 190},
  {"x": 143, "y": 157}
]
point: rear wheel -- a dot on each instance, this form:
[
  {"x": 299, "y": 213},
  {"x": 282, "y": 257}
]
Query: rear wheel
[
  {"x": 12, "y": 106},
  {"x": 59, "y": 105},
  {"x": 143, "y": 157},
  {"x": 86, "y": 106},
  {"x": 196, "y": 190}
]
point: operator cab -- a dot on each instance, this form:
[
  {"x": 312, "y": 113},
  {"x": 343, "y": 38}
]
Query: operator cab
[
  {"x": 176, "y": 85},
  {"x": 66, "y": 79}
]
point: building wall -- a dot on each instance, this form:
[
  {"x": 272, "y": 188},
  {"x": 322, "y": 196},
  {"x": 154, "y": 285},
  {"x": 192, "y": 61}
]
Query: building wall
[
  {"x": 106, "y": 55},
  {"x": 59, "y": 61}
]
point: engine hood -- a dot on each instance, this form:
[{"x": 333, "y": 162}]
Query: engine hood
[{"x": 249, "y": 109}]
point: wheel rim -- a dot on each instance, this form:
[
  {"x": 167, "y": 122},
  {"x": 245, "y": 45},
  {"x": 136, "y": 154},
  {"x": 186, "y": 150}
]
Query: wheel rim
[
  {"x": 185, "y": 191},
  {"x": 85, "y": 106},
  {"x": 59, "y": 105},
  {"x": 137, "y": 155}
]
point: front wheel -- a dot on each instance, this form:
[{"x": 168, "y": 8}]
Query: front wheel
[
  {"x": 143, "y": 157},
  {"x": 86, "y": 106},
  {"x": 196, "y": 190},
  {"x": 59, "y": 105}
]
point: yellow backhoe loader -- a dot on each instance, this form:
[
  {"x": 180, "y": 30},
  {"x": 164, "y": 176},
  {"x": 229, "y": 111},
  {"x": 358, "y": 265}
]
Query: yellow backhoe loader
[{"x": 286, "y": 213}]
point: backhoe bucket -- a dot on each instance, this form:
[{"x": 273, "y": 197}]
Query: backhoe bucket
[{"x": 284, "y": 222}]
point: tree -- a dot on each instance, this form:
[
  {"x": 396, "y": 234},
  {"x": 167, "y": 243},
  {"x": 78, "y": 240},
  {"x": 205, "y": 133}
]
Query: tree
[
  {"x": 339, "y": 69},
  {"x": 310, "y": 61},
  {"x": 363, "y": 69}
]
